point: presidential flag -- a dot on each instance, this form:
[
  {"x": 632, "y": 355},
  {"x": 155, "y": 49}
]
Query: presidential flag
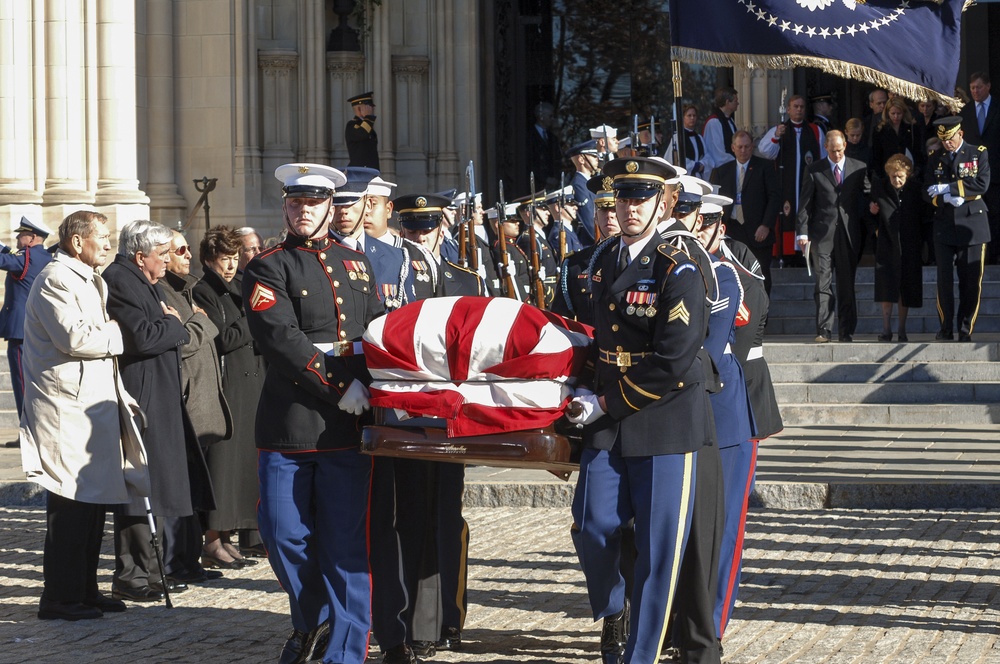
[
  {"x": 907, "y": 46},
  {"x": 483, "y": 365}
]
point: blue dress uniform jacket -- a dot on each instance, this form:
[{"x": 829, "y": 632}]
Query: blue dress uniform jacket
[
  {"x": 298, "y": 294},
  {"x": 665, "y": 383},
  {"x": 394, "y": 283},
  {"x": 21, "y": 267},
  {"x": 573, "y": 243},
  {"x": 967, "y": 172},
  {"x": 585, "y": 209}
]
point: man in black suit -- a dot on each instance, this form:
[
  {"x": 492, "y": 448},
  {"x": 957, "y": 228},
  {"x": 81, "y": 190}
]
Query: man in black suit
[
  {"x": 956, "y": 177},
  {"x": 544, "y": 154},
  {"x": 833, "y": 199},
  {"x": 752, "y": 183},
  {"x": 981, "y": 126}
]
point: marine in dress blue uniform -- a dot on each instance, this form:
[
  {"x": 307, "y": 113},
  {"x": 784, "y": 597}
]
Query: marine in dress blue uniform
[
  {"x": 956, "y": 178},
  {"x": 308, "y": 304},
  {"x": 650, "y": 322},
  {"x": 22, "y": 265}
]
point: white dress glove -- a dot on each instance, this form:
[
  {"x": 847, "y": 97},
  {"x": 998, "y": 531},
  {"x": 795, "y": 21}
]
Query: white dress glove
[
  {"x": 355, "y": 399},
  {"x": 591, "y": 409},
  {"x": 954, "y": 200},
  {"x": 937, "y": 189},
  {"x": 541, "y": 273},
  {"x": 511, "y": 268}
]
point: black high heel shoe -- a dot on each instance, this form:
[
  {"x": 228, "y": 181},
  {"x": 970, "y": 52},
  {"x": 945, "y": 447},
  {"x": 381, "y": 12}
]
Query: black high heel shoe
[
  {"x": 885, "y": 337},
  {"x": 209, "y": 561}
]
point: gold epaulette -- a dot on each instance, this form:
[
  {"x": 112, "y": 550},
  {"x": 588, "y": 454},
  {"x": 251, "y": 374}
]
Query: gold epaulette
[
  {"x": 982, "y": 148},
  {"x": 672, "y": 252}
]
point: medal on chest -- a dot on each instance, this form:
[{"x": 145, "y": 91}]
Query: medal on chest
[
  {"x": 420, "y": 270},
  {"x": 640, "y": 303},
  {"x": 356, "y": 270}
]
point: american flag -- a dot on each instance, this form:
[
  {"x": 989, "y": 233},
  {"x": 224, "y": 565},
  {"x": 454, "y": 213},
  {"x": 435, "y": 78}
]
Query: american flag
[{"x": 486, "y": 365}]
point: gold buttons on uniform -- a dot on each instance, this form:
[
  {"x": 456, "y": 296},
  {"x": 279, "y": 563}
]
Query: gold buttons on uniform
[
  {"x": 365, "y": 289},
  {"x": 304, "y": 292},
  {"x": 614, "y": 328},
  {"x": 322, "y": 257},
  {"x": 329, "y": 269},
  {"x": 611, "y": 306},
  {"x": 316, "y": 366},
  {"x": 343, "y": 317},
  {"x": 336, "y": 284},
  {"x": 340, "y": 300},
  {"x": 341, "y": 385},
  {"x": 343, "y": 333},
  {"x": 619, "y": 348}
]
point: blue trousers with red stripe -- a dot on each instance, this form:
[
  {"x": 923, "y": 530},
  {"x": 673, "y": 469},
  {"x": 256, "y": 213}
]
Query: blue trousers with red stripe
[
  {"x": 739, "y": 472},
  {"x": 658, "y": 491},
  {"x": 313, "y": 519}
]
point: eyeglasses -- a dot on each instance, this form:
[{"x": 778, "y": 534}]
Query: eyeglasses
[{"x": 181, "y": 251}]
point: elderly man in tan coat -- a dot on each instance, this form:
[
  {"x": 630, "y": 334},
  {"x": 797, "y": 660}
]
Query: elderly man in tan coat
[{"x": 72, "y": 442}]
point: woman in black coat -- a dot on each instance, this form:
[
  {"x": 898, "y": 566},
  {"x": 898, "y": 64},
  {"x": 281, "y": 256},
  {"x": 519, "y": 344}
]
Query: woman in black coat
[
  {"x": 150, "y": 368},
  {"x": 896, "y": 135},
  {"x": 897, "y": 202},
  {"x": 232, "y": 462}
]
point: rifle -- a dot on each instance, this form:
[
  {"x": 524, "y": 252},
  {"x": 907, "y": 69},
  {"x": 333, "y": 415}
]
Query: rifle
[
  {"x": 779, "y": 230},
  {"x": 462, "y": 242},
  {"x": 506, "y": 281},
  {"x": 680, "y": 140},
  {"x": 536, "y": 280},
  {"x": 470, "y": 201},
  {"x": 652, "y": 135},
  {"x": 562, "y": 226}
]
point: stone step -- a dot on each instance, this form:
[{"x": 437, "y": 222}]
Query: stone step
[
  {"x": 782, "y": 294},
  {"x": 869, "y": 308},
  {"x": 810, "y": 414},
  {"x": 885, "y": 372},
  {"x": 871, "y": 325},
  {"x": 915, "y": 351},
  {"x": 866, "y": 275},
  {"x": 888, "y": 393}
]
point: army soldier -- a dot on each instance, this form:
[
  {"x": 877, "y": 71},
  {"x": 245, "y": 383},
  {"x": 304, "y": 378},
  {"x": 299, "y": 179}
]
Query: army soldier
[
  {"x": 650, "y": 322},
  {"x": 307, "y": 307},
  {"x": 957, "y": 176},
  {"x": 573, "y": 298},
  {"x": 548, "y": 267},
  {"x": 360, "y": 136}
]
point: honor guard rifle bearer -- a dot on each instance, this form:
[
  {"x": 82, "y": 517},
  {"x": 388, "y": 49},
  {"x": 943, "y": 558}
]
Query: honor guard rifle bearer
[
  {"x": 650, "y": 322},
  {"x": 957, "y": 176},
  {"x": 307, "y": 305},
  {"x": 514, "y": 263}
]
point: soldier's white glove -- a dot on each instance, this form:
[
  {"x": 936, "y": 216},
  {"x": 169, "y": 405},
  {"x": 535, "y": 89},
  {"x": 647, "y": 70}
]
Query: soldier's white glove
[
  {"x": 582, "y": 392},
  {"x": 937, "y": 189},
  {"x": 482, "y": 271},
  {"x": 510, "y": 268},
  {"x": 541, "y": 273},
  {"x": 954, "y": 200},
  {"x": 355, "y": 399},
  {"x": 590, "y": 409}
]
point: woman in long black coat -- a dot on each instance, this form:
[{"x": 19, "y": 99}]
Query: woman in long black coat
[
  {"x": 897, "y": 202},
  {"x": 151, "y": 372},
  {"x": 233, "y": 462},
  {"x": 896, "y": 135}
]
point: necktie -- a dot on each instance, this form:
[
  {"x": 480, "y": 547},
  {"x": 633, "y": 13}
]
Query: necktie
[
  {"x": 623, "y": 259},
  {"x": 838, "y": 177},
  {"x": 741, "y": 171},
  {"x": 981, "y": 116}
]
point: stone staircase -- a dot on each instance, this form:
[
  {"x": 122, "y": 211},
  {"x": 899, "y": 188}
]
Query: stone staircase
[{"x": 868, "y": 383}]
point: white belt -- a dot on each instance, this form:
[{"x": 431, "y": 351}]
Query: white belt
[
  {"x": 341, "y": 348},
  {"x": 728, "y": 351},
  {"x": 755, "y": 353}
]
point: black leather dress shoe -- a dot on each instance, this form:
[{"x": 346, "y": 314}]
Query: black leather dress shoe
[
  {"x": 451, "y": 639},
  {"x": 423, "y": 648},
  {"x": 292, "y": 652},
  {"x": 173, "y": 587},
  {"x": 402, "y": 654},
  {"x": 319, "y": 640},
  {"x": 846, "y": 338},
  {"x": 105, "y": 604},
  {"x": 614, "y": 636},
  {"x": 964, "y": 336},
  {"x": 49, "y": 610},
  {"x": 140, "y": 594},
  {"x": 944, "y": 336}
]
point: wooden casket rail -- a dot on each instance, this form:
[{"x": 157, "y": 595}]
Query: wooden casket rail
[{"x": 538, "y": 449}]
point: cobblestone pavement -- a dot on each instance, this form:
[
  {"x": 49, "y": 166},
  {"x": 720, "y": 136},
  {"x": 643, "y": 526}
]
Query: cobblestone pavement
[{"x": 830, "y": 586}]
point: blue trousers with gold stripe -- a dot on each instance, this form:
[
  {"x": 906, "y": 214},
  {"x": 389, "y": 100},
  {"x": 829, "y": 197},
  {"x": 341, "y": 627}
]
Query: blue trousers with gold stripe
[
  {"x": 313, "y": 519},
  {"x": 658, "y": 492}
]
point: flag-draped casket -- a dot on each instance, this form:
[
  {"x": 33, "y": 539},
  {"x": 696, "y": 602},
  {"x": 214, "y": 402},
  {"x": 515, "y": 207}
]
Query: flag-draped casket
[{"x": 484, "y": 365}]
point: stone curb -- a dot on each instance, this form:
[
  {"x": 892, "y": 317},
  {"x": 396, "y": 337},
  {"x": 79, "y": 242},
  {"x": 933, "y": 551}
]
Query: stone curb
[{"x": 766, "y": 495}]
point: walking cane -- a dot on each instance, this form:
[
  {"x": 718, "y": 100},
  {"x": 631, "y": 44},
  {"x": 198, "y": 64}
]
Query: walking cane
[{"x": 156, "y": 549}]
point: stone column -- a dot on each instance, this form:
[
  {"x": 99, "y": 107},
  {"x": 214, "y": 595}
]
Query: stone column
[
  {"x": 378, "y": 46},
  {"x": 412, "y": 120},
  {"x": 17, "y": 128},
  {"x": 314, "y": 83},
  {"x": 443, "y": 164},
  {"x": 277, "y": 114},
  {"x": 165, "y": 202},
  {"x": 66, "y": 106},
  {"x": 343, "y": 70},
  {"x": 117, "y": 179}
]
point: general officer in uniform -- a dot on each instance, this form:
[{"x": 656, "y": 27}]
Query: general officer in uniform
[
  {"x": 22, "y": 266},
  {"x": 956, "y": 178},
  {"x": 360, "y": 136},
  {"x": 308, "y": 305},
  {"x": 650, "y": 322}
]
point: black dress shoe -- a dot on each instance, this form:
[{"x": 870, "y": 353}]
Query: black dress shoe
[
  {"x": 885, "y": 337},
  {"x": 295, "y": 650},
  {"x": 451, "y": 639},
  {"x": 318, "y": 641},
  {"x": 402, "y": 654},
  {"x": 903, "y": 338},
  {"x": 208, "y": 560},
  {"x": 846, "y": 338},
  {"x": 49, "y": 610},
  {"x": 173, "y": 586},
  {"x": 614, "y": 636},
  {"x": 12, "y": 443},
  {"x": 140, "y": 594},
  {"x": 964, "y": 336},
  {"x": 105, "y": 604},
  {"x": 944, "y": 336},
  {"x": 423, "y": 648}
]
